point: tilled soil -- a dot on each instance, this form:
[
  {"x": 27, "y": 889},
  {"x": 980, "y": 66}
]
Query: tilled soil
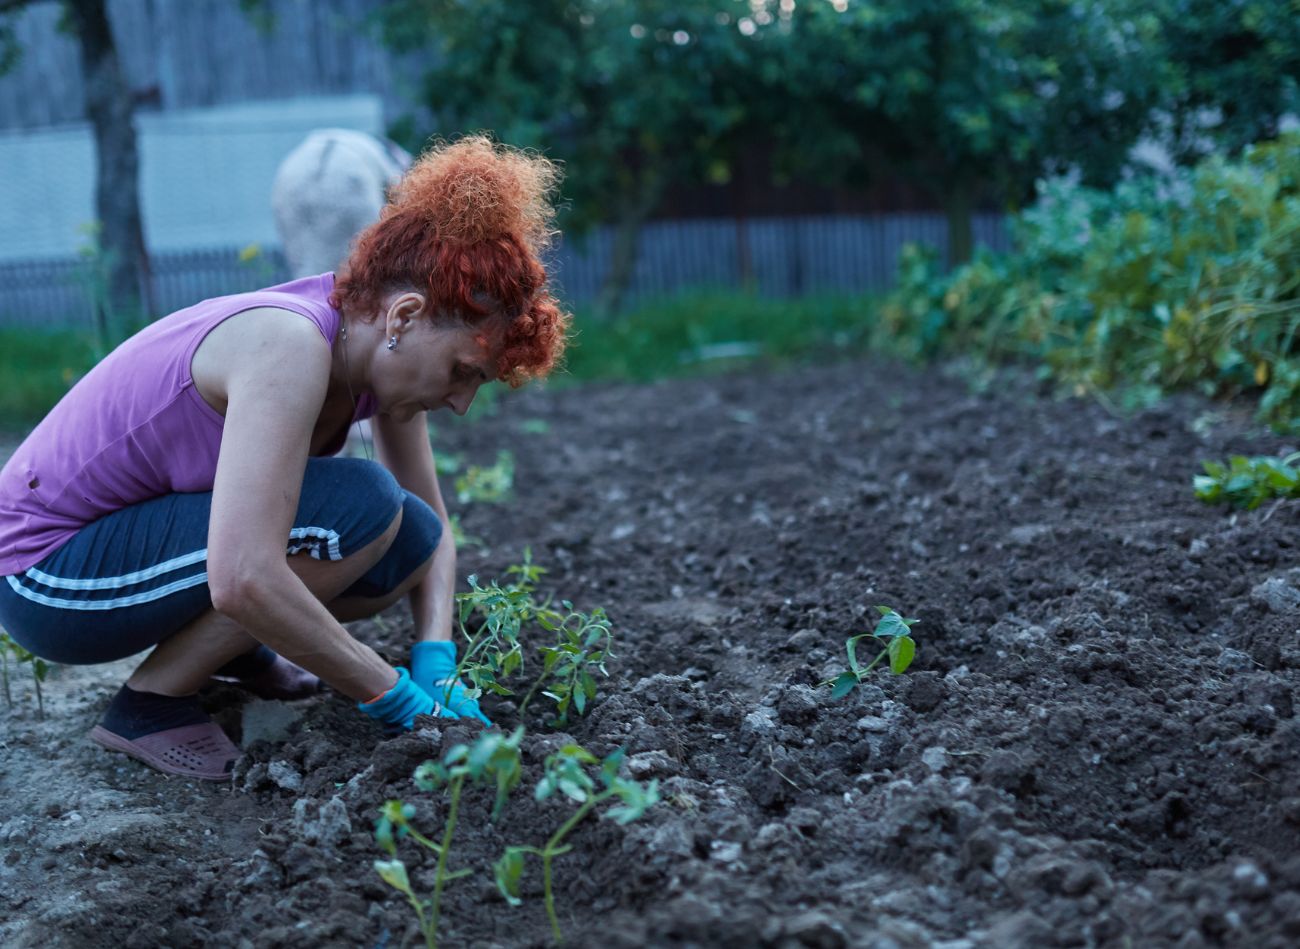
[{"x": 1096, "y": 745}]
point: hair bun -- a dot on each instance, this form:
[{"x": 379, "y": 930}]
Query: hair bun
[{"x": 474, "y": 189}]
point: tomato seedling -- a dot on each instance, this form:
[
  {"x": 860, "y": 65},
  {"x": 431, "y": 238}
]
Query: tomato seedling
[
  {"x": 494, "y": 652},
  {"x": 1248, "y": 482},
  {"x": 40, "y": 669},
  {"x": 487, "y": 484},
  {"x": 491, "y": 758},
  {"x": 895, "y": 632},
  {"x": 566, "y": 772},
  {"x": 582, "y": 644}
]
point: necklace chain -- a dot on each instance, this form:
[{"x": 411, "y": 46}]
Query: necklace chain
[{"x": 347, "y": 377}]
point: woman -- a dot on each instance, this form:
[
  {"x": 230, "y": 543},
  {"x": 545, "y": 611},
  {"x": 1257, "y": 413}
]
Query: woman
[{"x": 182, "y": 496}]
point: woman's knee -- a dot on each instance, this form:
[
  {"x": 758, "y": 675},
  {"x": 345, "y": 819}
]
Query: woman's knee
[
  {"x": 408, "y": 557},
  {"x": 347, "y": 505}
]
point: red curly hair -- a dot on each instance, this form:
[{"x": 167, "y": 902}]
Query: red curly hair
[{"x": 466, "y": 226}]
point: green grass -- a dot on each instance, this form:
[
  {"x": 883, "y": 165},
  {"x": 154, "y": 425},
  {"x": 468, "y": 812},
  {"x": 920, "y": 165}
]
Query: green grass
[
  {"x": 705, "y": 331},
  {"x": 36, "y": 368},
  {"x": 690, "y": 334}
]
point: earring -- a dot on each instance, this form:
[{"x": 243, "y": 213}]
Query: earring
[{"x": 392, "y": 342}]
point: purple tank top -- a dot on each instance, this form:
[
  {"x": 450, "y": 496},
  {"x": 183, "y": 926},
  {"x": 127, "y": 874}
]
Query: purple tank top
[{"x": 134, "y": 427}]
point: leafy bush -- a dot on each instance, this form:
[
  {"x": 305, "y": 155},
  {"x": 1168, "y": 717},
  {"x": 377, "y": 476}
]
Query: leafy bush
[
  {"x": 1248, "y": 482},
  {"x": 1165, "y": 283}
]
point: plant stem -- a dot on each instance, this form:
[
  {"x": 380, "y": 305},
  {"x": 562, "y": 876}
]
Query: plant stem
[
  {"x": 863, "y": 674},
  {"x": 440, "y": 878},
  {"x": 475, "y": 645},
  {"x": 549, "y": 853},
  {"x": 430, "y": 935},
  {"x": 531, "y": 692},
  {"x": 40, "y": 701}
]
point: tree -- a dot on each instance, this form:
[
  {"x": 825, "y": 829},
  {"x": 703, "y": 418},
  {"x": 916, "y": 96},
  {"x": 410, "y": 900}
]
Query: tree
[
  {"x": 1235, "y": 70},
  {"x": 967, "y": 96},
  {"x": 110, "y": 108},
  {"x": 631, "y": 96}
]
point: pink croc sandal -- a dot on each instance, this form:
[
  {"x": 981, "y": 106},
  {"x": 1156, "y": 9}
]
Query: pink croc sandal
[{"x": 192, "y": 751}]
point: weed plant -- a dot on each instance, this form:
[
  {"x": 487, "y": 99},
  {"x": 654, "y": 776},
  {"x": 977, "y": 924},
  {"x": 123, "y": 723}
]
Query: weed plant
[{"x": 895, "y": 632}]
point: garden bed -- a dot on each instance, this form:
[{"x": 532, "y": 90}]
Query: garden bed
[{"x": 1096, "y": 743}]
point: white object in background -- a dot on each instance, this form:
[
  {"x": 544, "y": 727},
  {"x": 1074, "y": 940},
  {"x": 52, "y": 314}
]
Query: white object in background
[{"x": 327, "y": 190}]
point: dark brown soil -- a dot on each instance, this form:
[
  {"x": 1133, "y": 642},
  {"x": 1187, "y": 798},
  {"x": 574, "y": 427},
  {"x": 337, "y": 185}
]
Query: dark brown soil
[{"x": 1096, "y": 745}]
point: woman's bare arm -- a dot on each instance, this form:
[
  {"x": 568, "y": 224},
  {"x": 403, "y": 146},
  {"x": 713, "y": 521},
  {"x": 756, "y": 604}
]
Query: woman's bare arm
[
  {"x": 272, "y": 370},
  {"x": 404, "y": 449}
]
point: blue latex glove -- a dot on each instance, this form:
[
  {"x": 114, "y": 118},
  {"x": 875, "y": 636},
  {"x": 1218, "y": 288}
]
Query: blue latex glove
[
  {"x": 432, "y": 666},
  {"x": 400, "y": 704}
]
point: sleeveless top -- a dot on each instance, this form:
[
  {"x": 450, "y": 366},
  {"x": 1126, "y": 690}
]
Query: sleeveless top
[{"x": 135, "y": 427}]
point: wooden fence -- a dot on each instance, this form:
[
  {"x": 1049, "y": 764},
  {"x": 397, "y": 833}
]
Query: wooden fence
[{"x": 778, "y": 257}]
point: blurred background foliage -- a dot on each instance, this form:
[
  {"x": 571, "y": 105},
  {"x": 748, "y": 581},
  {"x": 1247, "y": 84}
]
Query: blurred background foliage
[
  {"x": 1154, "y": 279},
  {"x": 1192, "y": 279},
  {"x": 1137, "y": 144},
  {"x": 973, "y": 100}
]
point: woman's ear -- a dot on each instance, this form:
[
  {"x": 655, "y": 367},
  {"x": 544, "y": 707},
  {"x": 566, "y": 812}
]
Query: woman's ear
[{"x": 403, "y": 310}]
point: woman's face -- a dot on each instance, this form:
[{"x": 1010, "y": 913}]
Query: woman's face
[{"x": 433, "y": 365}]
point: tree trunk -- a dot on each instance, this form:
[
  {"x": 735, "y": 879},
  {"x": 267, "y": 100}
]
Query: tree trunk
[
  {"x": 110, "y": 107},
  {"x": 959, "y": 204},
  {"x": 633, "y": 211}
]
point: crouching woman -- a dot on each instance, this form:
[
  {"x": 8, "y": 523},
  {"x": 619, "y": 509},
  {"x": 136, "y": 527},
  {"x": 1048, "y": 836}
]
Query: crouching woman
[{"x": 184, "y": 495}]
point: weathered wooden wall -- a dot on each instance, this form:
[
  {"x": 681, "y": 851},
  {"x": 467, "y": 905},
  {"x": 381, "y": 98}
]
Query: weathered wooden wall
[{"x": 181, "y": 54}]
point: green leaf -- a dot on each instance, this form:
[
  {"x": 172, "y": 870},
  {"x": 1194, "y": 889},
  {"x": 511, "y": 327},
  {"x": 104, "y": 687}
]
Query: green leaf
[
  {"x": 393, "y": 872},
  {"x": 890, "y": 625},
  {"x": 851, "y": 648},
  {"x": 509, "y": 871},
  {"x": 843, "y": 684},
  {"x": 901, "y": 651}
]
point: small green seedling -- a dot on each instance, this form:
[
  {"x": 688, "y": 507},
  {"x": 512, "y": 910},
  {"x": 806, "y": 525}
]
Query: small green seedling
[
  {"x": 1248, "y": 482},
  {"x": 582, "y": 643},
  {"x": 447, "y": 463},
  {"x": 40, "y": 669},
  {"x": 492, "y": 651},
  {"x": 463, "y": 538},
  {"x": 492, "y": 758},
  {"x": 488, "y": 485},
  {"x": 895, "y": 632},
  {"x": 566, "y": 772}
]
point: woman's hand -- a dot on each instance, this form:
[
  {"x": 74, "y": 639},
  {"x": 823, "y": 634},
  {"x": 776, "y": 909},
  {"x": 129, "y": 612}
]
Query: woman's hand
[
  {"x": 433, "y": 667},
  {"x": 401, "y": 703}
]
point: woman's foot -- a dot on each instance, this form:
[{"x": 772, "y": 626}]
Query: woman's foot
[
  {"x": 172, "y": 734},
  {"x": 268, "y": 675}
]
